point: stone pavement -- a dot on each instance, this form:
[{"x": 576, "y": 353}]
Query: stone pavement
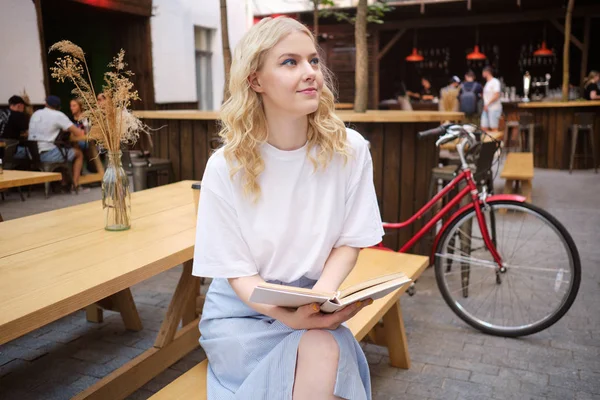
[{"x": 450, "y": 360}]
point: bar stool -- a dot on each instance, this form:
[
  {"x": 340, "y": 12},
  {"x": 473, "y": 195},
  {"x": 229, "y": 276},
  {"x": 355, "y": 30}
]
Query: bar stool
[
  {"x": 584, "y": 123},
  {"x": 526, "y": 127}
]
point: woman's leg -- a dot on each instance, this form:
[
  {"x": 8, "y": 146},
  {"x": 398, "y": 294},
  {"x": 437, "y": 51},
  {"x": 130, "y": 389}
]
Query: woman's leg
[{"x": 316, "y": 366}]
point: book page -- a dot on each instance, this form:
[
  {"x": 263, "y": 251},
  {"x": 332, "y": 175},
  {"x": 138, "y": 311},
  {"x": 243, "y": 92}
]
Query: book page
[
  {"x": 370, "y": 283},
  {"x": 287, "y": 296}
]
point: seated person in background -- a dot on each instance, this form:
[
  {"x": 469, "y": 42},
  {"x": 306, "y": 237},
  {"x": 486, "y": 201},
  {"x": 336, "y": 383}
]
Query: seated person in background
[
  {"x": 426, "y": 93},
  {"x": 449, "y": 95},
  {"x": 45, "y": 126},
  {"x": 591, "y": 90},
  {"x": 401, "y": 96},
  {"x": 14, "y": 123}
]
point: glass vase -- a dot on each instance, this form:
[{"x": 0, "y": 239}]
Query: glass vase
[{"x": 116, "y": 197}]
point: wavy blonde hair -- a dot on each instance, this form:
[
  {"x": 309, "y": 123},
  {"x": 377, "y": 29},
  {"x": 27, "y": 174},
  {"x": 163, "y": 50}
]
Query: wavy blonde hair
[{"x": 243, "y": 120}]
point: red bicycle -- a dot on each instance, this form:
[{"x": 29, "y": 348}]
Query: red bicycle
[{"x": 504, "y": 266}]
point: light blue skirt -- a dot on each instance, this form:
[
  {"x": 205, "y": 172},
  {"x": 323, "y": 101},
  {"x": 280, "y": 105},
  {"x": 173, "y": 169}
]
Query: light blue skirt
[{"x": 253, "y": 357}]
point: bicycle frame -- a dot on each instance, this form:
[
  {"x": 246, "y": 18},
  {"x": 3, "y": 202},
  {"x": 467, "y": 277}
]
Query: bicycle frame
[{"x": 470, "y": 188}]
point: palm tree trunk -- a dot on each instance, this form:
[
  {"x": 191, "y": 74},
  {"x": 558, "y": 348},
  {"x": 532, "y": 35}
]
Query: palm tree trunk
[
  {"x": 226, "y": 49},
  {"x": 565, "y": 85},
  {"x": 362, "y": 59}
]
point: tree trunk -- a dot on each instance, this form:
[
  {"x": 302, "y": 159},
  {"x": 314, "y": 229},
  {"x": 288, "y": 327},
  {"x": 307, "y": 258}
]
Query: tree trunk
[
  {"x": 362, "y": 58},
  {"x": 226, "y": 49},
  {"x": 565, "y": 85},
  {"x": 316, "y": 18}
]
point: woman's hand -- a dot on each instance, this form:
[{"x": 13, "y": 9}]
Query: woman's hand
[{"x": 310, "y": 317}]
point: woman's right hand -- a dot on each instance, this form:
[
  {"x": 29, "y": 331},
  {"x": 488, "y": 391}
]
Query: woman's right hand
[{"x": 310, "y": 316}]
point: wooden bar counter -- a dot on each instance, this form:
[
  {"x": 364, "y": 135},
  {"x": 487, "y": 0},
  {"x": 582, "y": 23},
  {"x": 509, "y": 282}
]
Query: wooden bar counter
[
  {"x": 552, "y": 137},
  {"x": 402, "y": 163}
]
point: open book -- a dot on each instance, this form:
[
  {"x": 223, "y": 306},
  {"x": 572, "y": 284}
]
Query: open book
[{"x": 293, "y": 297}]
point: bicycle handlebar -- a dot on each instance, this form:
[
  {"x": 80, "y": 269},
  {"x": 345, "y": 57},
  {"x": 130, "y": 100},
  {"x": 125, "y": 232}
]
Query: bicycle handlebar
[{"x": 440, "y": 130}]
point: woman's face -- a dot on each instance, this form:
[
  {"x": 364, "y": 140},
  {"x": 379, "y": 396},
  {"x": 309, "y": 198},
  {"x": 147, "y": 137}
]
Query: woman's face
[
  {"x": 596, "y": 79},
  {"x": 425, "y": 83},
  {"x": 75, "y": 109},
  {"x": 290, "y": 79}
]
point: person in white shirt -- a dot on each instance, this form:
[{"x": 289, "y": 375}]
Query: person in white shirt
[
  {"x": 289, "y": 199},
  {"x": 492, "y": 107},
  {"x": 45, "y": 126}
]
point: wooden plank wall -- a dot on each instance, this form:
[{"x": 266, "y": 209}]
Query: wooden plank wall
[
  {"x": 402, "y": 164},
  {"x": 553, "y": 138}
]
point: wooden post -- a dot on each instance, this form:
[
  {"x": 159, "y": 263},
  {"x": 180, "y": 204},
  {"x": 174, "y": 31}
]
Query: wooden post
[
  {"x": 226, "y": 48},
  {"x": 568, "y": 18},
  {"x": 40, "y": 24},
  {"x": 316, "y": 18},
  {"x": 586, "y": 49},
  {"x": 362, "y": 59}
]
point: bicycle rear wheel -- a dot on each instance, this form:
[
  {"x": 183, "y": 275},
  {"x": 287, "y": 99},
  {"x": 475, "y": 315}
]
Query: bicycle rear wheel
[{"x": 539, "y": 279}]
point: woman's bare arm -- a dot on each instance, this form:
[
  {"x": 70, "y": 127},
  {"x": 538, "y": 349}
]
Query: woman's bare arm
[{"x": 339, "y": 264}]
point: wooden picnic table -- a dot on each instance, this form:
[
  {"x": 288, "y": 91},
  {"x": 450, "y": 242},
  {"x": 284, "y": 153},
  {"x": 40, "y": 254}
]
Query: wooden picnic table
[
  {"x": 11, "y": 178},
  {"x": 55, "y": 263}
]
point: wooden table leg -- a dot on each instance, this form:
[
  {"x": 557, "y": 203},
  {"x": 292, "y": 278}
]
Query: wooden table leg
[
  {"x": 171, "y": 345},
  {"x": 124, "y": 303},
  {"x": 121, "y": 302},
  {"x": 94, "y": 313},
  {"x": 395, "y": 337},
  {"x": 526, "y": 190}
]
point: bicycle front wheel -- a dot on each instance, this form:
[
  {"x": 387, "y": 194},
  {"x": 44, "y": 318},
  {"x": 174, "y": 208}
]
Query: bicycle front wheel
[{"x": 535, "y": 287}]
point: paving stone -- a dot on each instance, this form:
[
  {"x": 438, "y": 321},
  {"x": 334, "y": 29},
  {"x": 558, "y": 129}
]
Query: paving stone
[
  {"x": 93, "y": 356},
  {"x": 475, "y": 366},
  {"x": 389, "y": 386},
  {"x": 446, "y": 372},
  {"x": 432, "y": 392},
  {"x": 24, "y": 353},
  {"x": 495, "y": 381},
  {"x": 463, "y": 388},
  {"x": 574, "y": 384},
  {"x": 524, "y": 376},
  {"x": 14, "y": 365},
  {"x": 586, "y": 396},
  {"x": 551, "y": 392}
]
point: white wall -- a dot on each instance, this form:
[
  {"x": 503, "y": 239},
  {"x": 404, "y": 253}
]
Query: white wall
[
  {"x": 21, "y": 60},
  {"x": 173, "y": 50}
]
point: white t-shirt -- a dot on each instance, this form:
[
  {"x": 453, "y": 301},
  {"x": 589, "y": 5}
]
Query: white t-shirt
[
  {"x": 45, "y": 125},
  {"x": 300, "y": 217},
  {"x": 492, "y": 87}
]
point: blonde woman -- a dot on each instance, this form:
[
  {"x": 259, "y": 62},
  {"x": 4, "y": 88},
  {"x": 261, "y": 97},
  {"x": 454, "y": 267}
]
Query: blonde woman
[{"x": 289, "y": 199}]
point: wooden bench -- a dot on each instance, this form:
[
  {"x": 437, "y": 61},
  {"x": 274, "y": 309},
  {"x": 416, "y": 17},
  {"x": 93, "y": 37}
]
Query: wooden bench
[
  {"x": 390, "y": 332},
  {"x": 518, "y": 172}
]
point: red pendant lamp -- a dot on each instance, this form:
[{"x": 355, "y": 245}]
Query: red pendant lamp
[
  {"x": 415, "y": 56},
  {"x": 476, "y": 54},
  {"x": 543, "y": 51}
]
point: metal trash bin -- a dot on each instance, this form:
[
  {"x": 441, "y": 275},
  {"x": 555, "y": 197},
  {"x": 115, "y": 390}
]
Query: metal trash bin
[{"x": 138, "y": 167}]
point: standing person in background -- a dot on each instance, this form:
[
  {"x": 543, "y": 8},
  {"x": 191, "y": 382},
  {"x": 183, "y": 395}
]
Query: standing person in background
[
  {"x": 45, "y": 126},
  {"x": 449, "y": 95},
  {"x": 591, "y": 90},
  {"x": 469, "y": 97},
  {"x": 492, "y": 107}
]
